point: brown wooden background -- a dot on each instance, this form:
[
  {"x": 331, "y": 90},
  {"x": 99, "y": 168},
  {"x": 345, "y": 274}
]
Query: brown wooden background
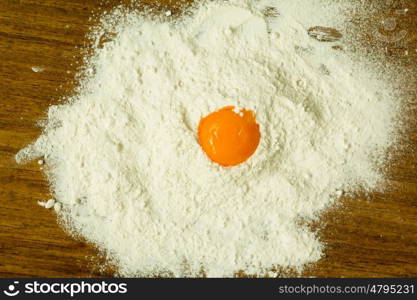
[{"x": 372, "y": 238}]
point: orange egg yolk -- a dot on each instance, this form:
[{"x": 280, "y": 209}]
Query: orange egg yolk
[{"x": 228, "y": 137}]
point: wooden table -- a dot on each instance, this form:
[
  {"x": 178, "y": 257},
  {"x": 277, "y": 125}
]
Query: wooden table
[{"x": 368, "y": 237}]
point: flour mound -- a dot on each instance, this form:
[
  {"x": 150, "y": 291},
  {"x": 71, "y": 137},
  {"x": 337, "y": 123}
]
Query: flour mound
[{"x": 124, "y": 161}]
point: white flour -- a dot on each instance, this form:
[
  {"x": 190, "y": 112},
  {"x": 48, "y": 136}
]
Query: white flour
[{"x": 129, "y": 175}]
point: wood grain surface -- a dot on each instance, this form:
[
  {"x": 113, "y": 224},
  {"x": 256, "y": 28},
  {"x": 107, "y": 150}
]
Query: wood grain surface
[{"x": 369, "y": 236}]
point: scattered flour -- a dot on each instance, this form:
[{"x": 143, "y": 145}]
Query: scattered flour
[
  {"x": 37, "y": 69},
  {"x": 48, "y": 204},
  {"x": 125, "y": 165}
]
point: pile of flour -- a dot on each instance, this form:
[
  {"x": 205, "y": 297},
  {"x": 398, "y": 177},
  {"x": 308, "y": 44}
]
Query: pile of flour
[{"x": 126, "y": 168}]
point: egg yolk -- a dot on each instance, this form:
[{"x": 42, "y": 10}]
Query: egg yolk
[{"x": 228, "y": 137}]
